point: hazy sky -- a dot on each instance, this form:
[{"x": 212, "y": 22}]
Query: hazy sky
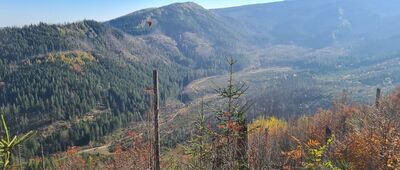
[{"x": 23, "y": 12}]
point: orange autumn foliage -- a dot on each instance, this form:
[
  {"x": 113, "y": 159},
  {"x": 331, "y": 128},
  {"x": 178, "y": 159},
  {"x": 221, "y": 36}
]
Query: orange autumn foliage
[
  {"x": 366, "y": 137},
  {"x": 135, "y": 156},
  {"x": 72, "y": 160}
]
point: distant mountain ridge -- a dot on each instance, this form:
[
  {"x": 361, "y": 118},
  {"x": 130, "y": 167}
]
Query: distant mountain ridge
[{"x": 317, "y": 23}]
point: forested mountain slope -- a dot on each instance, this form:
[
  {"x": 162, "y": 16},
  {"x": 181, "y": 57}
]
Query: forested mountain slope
[
  {"x": 78, "y": 82},
  {"x": 66, "y": 79}
]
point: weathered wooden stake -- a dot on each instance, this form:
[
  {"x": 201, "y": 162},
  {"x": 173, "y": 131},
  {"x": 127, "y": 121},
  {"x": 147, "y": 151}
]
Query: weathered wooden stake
[
  {"x": 150, "y": 129},
  {"x": 156, "y": 144},
  {"x": 378, "y": 96},
  {"x": 328, "y": 134}
]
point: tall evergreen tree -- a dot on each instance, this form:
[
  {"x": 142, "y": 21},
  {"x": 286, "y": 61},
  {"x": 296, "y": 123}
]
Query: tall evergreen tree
[{"x": 231, "y": 145}]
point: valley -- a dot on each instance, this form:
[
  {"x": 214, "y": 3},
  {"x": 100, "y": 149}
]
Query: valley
[{"x": 84, "y": 86}]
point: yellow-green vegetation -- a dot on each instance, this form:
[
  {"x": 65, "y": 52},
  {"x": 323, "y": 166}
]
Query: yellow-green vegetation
[
  {"x": 7, "y": 144},
  {"x": 71, "y": 57},
  {"x": 271, "y": 124},
  {"x": 316, "y": 155}
]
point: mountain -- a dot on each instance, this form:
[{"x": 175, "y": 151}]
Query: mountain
[
  {"x": 325, "y": 35},
  {"x": 65, "y": 79},
  {"x": 316, "y": 23},
  {"x": 203, "y": 36},
  {"x": 79, "y": 82}
]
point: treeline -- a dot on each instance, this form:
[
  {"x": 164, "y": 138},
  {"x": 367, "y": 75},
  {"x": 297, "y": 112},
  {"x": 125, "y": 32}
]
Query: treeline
[
  {"x": 288, "y": 96},
  {"x": 17, "y": 44}
]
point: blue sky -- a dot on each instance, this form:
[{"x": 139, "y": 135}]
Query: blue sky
[{"x": 23, "y": 12}]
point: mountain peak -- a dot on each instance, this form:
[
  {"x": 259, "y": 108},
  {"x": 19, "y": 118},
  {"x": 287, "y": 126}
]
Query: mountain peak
[
  {"x": 175, "y": 18},
  {"x": 185, "y": 5}
]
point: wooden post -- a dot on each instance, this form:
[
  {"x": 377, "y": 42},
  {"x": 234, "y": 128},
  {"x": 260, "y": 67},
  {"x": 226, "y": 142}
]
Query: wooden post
[
  {"x": 328, "y": 133},
  {"x": 156, "y": 144},
  {"x": 378, "y": 96},
  {"x": 149, "y": 132}
]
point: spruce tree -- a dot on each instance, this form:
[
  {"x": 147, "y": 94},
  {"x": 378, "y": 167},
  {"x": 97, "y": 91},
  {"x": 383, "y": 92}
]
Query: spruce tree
[{"x": 231, "y": 147}]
